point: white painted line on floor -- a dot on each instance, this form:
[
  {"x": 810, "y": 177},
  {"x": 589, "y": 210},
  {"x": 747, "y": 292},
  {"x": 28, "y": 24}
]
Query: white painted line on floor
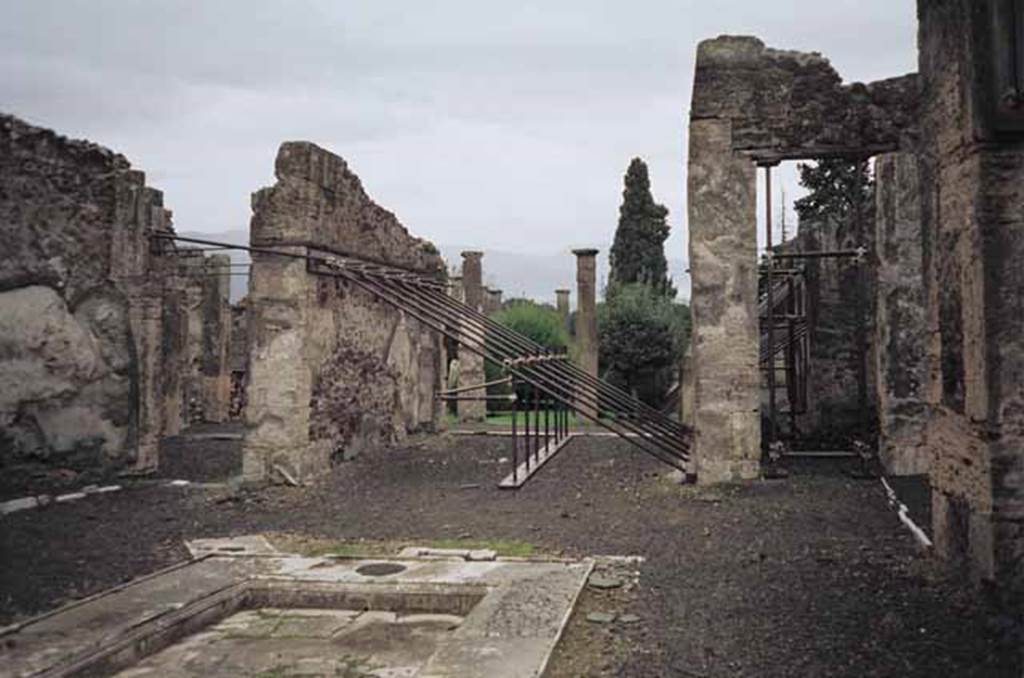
[{"x": 903, "y": 512}]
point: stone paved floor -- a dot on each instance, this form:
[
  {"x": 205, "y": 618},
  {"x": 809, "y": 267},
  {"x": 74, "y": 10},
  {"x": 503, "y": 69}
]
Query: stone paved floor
[
  {"x": 811, "y": 576},
  {"x": 303, "y": 642}
]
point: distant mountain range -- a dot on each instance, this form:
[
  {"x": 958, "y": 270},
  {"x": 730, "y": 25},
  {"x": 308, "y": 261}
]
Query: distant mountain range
[{"x": 535, "y": 276}]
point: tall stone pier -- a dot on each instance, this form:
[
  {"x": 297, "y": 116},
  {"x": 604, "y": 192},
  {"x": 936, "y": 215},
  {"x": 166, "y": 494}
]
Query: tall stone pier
[
  {"x": 723, "y": 270},
  {"x": 471, "y": 365},
  {"x": 901, "y": 325},
  {"x": 586, "y": 323},
  {"x": 562, "y": 304}
]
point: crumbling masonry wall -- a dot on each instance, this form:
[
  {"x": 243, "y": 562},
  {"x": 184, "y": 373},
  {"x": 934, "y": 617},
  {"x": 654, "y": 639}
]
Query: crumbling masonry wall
[
  {"x": 332, "y": 370},
  {"x": 972, "y": 208},
  {"x": 94, "y": 325}
]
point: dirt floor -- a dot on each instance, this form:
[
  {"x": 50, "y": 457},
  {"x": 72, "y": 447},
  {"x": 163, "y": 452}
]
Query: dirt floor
[{"x": 810, "y": 576}]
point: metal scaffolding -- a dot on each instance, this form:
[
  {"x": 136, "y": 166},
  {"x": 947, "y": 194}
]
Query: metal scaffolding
[{"x": 556, "y": 385}]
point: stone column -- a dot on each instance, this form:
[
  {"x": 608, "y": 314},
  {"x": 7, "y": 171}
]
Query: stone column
[
  {"x": 723, "y": 270},
  {"x": 455, "y": 290},
  {"x": 562, "y": 304},
  {"x": 495, "y": 298},
  {"x": 471, "y": 365},
  {"x": 586, "y": 322},
  {"x": 901, "y": 326},
  {"x": 216, "y": 338}
]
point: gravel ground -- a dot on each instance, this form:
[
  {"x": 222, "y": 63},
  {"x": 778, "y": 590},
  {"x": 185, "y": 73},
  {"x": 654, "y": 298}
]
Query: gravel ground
[{"x": 810, "y": 576}]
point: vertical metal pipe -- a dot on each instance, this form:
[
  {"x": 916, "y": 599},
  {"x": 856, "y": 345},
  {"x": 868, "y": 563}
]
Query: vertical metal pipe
[
  {"x": 771, "y": 304},
  {"x": 515, "y": 437},
  {"x": 791, "y": 380},
  {"x": 547, "y": 408},
  {"x": 768, "y": 207},
  {"x": 536, "y": 426},
  {"x": 526, "y": 427}
]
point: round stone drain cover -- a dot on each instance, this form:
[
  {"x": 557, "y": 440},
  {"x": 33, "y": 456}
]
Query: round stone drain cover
[{"x": 379, "y": 569}]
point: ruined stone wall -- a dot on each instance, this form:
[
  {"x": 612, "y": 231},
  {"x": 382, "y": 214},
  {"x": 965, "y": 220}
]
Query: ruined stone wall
[
  {"x": 752, "y": 104},
  {"x": 900, "y": 326},
  {"x": 972, "y": 205},
  {"x": 332, "y": 370},
  {"x": 786, "y": 104},
  {"x": 842, "y": 397},
  {"x": 93, "y": 321}
]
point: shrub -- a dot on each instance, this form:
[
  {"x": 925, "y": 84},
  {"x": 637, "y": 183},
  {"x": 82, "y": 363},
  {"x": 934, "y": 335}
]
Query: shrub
[{"x": 641, "y": 335}]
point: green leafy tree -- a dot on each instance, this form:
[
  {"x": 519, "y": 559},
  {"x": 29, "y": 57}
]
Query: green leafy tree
[
  {"x": 837, "y": 188},
  {"x": 539, "y": 322},
  {"x": 642, "y": 334},
  {"x": 638, "y": 252}
]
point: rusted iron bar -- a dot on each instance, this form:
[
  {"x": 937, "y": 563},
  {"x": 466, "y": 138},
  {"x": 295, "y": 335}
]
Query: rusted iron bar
[
  {"x": 526, "y": 344},
  {"x": 505, "y": 398},
  {"x": 515, "y": 437},
  {"x": 823, "y": 254},
  {"x": 674, "y": 451},
  {"x": 671, "y": 450},
  {"x": 545, "y": 370},
  {"x": 474, "y": 387}
]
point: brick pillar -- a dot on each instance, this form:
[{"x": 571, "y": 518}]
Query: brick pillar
[
  {"x": 586, "y": 321},
  {"x": 471, "y": 365},
  {"x": 562, "y": 304}
]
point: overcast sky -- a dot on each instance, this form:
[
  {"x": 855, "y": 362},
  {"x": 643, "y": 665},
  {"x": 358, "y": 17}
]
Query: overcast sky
[{"x": 502, "y": 125}]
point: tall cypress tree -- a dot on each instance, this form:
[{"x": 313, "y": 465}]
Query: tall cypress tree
[{"x": 638, "y": 253}]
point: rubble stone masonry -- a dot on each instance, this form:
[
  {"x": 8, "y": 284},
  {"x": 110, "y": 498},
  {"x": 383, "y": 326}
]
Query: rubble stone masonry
[
  {"x": 332, "y": 370},
  {"x": 94, "y": 325},
  {"x": 972, "y": 204}
]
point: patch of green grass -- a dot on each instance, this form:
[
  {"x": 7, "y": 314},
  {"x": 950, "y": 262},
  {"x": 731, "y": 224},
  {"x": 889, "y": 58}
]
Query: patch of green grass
[
  {"x": 505, "y": 418},
  {"x": 345, "y": 550},
  {"x": 364, "y": 548},
  {"x": 503, "y": 547}
]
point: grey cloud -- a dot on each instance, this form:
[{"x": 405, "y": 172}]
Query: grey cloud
[{"x": 508, "y": 125}]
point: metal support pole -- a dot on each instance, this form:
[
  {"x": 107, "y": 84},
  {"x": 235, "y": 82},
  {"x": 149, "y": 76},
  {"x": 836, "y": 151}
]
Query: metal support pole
[
  {"x": 547, "y": 408},
  {"x": 791, "y": 384},
  {"x": 536, "y": 426},
  {"x": 768, "y": 208},
  {"x": 526, "y": 427},
  {"x": 515, "y": 436},
  {"x": 771, "y": 305}
]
